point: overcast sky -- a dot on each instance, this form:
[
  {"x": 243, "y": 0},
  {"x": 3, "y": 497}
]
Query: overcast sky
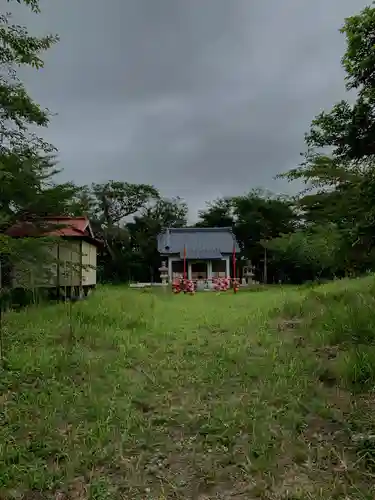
[{"x": 201, "y": 98}]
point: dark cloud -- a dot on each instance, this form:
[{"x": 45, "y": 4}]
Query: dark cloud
[{"x": 200, "y": 97}]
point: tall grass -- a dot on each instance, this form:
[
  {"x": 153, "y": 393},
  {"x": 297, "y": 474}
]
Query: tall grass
[
  {"x": 341, "y": 315},
  {"x": 151, "y": 395}
]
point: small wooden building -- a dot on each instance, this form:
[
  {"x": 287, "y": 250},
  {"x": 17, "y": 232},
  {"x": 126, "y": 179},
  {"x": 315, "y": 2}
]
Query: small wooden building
[
  {"x": 208, "y": 251},
  {"x": 70, "y": 260}
]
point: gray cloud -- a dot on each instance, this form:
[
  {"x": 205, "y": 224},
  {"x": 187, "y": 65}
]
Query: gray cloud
[{"x": 200, "y": 97}]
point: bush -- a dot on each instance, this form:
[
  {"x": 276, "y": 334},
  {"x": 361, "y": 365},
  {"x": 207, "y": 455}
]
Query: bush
[{"x": 343, "y": 315}]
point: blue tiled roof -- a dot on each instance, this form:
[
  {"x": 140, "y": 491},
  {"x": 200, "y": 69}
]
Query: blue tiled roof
[
  {"x": 200, "y": 243},
  {"x": 202, "y": 253}
]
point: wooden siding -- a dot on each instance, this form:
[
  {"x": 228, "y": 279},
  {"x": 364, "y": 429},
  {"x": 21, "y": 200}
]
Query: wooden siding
[
  {"x": 70, "y": 263},
  {"x": 63, "y": 267},
  {"x": 89, "y": 254}
]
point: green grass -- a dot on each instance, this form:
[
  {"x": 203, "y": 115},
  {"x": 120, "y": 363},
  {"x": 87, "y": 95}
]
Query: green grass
[{"x": 151, "y": 396}]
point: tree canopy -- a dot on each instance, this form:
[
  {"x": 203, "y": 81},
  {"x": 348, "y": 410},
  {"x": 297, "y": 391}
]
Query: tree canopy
[{"x": 326, "y": 230}]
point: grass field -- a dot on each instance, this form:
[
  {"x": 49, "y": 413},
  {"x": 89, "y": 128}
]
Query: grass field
[{"x": 263, "y": 395}]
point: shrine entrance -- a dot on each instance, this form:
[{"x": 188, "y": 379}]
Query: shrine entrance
[{"x": 199, "y": 270}]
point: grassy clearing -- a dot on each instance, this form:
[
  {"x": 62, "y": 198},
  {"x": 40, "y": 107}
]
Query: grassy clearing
[{"x": 263, "y": 395}]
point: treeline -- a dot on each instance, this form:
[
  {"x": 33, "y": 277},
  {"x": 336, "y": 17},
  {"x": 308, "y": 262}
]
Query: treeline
[{"x": 327, "y": 230}]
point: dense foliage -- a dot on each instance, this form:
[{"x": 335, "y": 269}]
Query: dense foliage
[{"x": 327, "y": 230}]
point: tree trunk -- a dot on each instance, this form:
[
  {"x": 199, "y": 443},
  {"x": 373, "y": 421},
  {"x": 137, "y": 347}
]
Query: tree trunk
[{"x": 265, "y": 277}]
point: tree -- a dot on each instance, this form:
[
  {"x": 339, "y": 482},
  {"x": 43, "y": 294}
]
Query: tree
[
  {"x": 27, "y": 166},
  {"x": 218, "y": 213},
  {"x": 151, "y": 221},
  {"x": 308, "y": 254},
  {"x": 260, "y": 215},
  {"x": 109, "y": 207},
  {"x": 341, "y": 184},
  {"x": 167, "y": 212},
  {"x": 331, "y": 191},
  {"x": 128, "y": 217},
  {"x": 349, "y": 129},
  {"x": 117, "y": 200},
  {"x": 83, "y": 202},
  {"x": 254, "y": 216}
]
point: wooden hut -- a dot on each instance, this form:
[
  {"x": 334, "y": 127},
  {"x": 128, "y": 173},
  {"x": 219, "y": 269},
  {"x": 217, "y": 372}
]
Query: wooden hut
[{"x": 69, "y": 266}]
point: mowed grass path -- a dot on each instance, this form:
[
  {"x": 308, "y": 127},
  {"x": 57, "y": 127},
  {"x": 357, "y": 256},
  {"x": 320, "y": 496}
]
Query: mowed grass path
[{"x": 154, "y": 396}]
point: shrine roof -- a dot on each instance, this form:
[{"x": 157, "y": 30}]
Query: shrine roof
[{"x": 197, "y": 243}]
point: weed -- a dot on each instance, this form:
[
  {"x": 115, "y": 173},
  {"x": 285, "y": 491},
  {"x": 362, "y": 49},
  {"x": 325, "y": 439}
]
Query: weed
[
  {"x": 163, "y": 396},
  {"x": 359, "y": 367}
]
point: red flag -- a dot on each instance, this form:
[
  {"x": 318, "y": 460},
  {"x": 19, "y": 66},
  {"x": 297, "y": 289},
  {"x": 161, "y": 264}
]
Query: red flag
[
  {"x": 234, "y": 270},
  {"x": 184, "y": 263}
]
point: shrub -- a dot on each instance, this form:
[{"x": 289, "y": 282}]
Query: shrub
[{"x": 358, "y": 368}]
